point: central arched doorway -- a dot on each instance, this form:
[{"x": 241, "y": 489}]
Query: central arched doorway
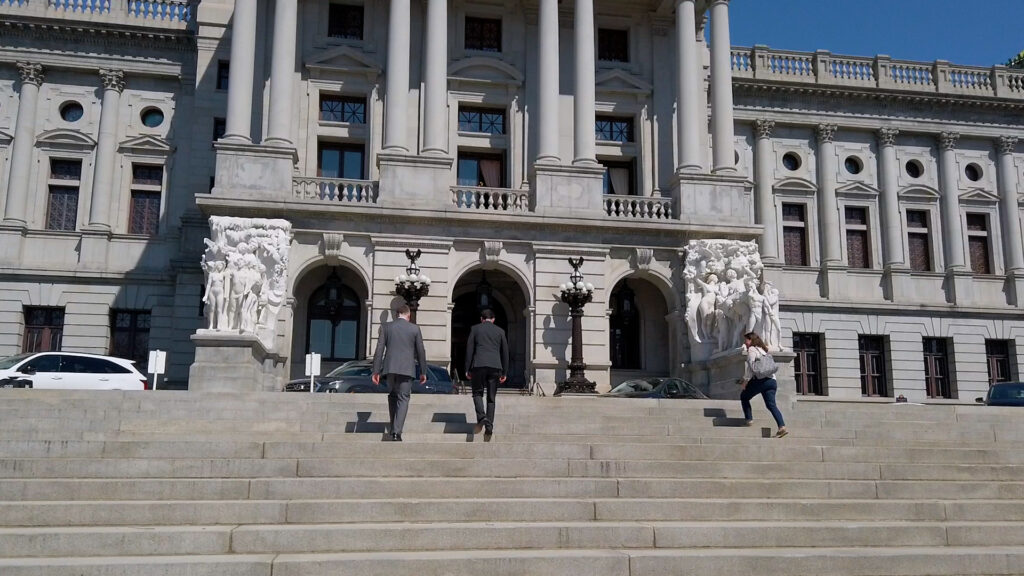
[
  {"x": 330, "y": 318},
  {"x": 640, "y": 336},
  {"x": 501, "y": 293}
]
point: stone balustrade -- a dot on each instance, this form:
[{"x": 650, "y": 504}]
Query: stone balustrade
[
  {"x": 335, "y": 190},
  {"x": 827, "y": 69},
  {"x": 638, "y": 207},
  {"x": 491, "y": 199},
  {"x": 167, "y": 14}
]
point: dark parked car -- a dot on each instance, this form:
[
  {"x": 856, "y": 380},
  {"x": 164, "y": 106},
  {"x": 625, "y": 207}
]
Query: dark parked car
[
  {"x": 302, "y": 384},
  {"x": 656, "y": 388},
  {"x": 1004, "y": 394},
  {"x": 355, "y": 378}
]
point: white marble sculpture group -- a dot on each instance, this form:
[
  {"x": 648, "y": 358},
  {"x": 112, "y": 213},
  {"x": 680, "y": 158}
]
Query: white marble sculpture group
[
  {"x": 246, "y": 265},
  {"x": 725, "y": 297}
]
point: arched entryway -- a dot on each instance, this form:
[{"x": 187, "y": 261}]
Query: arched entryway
[
  {"x": 501, "y": 293},
  {"x": 639, "y": 332},
  {"x": 330, "y": 318}
]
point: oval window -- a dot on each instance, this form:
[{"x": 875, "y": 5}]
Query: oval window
[
  {"x": 914, "y": 169},
  {"x": 71, "y": 112},
  {"x": 853, "y": 165},
  {"x": 152, "y": 117},
  {"x": 791, "y": 161},
  {"x": 973, "y": 172}
]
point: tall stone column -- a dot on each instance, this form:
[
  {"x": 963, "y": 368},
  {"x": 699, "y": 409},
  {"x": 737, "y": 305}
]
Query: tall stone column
[
  {"x": 952, "y": 231},
  {"x": 238, "y": 126},
  {"x": 689, "y": 86},
  {"x": 764, "y": 167},
  {"x": 21, "y": 149},
  {"x": 828, "y": 205},
  {"x": 1008, "y": 206},
  {"x": 547, "y": 118},
  {"x": 585, "y": 116},
  {"x": 888, "y": 168},
  {"x": 722, "y": 130},
  {"x": 435, "y": 79},
  {"x": 282, "y": 71},
  {"x": 397, "y": 77},
  {"x": 106, "y": 150}
]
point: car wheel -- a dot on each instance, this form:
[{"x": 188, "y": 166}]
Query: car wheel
[{"x": 332, "y": 390}]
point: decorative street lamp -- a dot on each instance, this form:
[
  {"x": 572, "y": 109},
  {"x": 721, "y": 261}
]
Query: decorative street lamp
[
  {"x": 576, "y": 294},
  {"x": 412, "y": 285}
]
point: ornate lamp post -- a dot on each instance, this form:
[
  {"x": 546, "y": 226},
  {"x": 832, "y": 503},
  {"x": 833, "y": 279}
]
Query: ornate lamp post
[
  {"x": 576, "y": 294},
  {"x": 412, "y": 285}
]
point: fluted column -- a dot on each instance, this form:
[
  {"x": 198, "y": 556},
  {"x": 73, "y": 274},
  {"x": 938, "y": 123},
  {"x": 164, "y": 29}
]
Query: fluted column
[
  {"x": 24, "y": 138},
  {"x": 106, "y": 150},
  {"x": 888, "y": 169},
  {"x": 243, "y": 62},
  {"x": 952, "y": 231},
  {"x": 396, "y": 98},
  {"x": 585, "y": 101},
  {"x": 1008, "y": 206},
  {"x": 722, "y": 130},
  {"x": 282, "y": 70},
  {"x": 435, "y": 79},
  {"x": 689, "y": 85},
  {"x": 764, "y": 166},
  {"x": 547, "y": 118},
  {"x": 828, "y": 205}
]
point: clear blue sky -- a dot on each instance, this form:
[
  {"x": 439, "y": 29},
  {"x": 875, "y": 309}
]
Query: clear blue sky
[{"x": 969, "y": 32}]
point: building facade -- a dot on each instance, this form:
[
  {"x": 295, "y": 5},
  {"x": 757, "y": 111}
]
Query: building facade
[{"x": 500, "y": 140}]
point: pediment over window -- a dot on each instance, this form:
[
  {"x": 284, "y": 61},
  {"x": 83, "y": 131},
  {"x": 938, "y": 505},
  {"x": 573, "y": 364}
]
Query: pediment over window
[
  {"x": 920, "y": 193},
  {"x": 150, "y": 145},
  {"x": 485, "y": 70},
  {"x": 979, "y": 196},
  {"x": 796, "y": 185},
  {"x": 619, "y": 81},
  {"x": 62, "y": 139},
  {"x": 343, "y": 60},
  {"x": 857, "y": 190}
]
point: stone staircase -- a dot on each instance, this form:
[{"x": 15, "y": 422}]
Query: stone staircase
[{"x": 176, "y": 483}]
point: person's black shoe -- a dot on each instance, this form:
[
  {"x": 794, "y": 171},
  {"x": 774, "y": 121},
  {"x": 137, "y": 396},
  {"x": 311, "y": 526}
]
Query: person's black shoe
[
  {"x": 488, "y": 433},
  {"x": 398, "y": 438}
]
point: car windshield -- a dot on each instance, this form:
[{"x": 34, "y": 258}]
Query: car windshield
[
  {"x": 633, "y": 386},
  {"x": 11, "y": 361}
]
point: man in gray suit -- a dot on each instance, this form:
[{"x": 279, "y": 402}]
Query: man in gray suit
[
  {"x": 399, "y": 350},
  {"x": 487, "y": 365}
]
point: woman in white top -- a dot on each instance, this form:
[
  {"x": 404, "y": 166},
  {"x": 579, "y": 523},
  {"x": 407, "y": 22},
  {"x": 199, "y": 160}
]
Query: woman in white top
[{"x": 766, "y": 387}]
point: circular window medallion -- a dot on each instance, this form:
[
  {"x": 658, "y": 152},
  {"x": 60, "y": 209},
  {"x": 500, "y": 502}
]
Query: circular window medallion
[
  {"x": 853, "y": 165},
  {"x": 914, "y": 169},
  {"x": 152, "y": 117},
  {"x": 791, "y": 161},
  {"x": 71, "y": 111},
  {"x": 973, "y": 172}
]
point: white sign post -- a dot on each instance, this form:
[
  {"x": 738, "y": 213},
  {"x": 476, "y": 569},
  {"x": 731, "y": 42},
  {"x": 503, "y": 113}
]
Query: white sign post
[
  {"x": 157, "y": 365},
  {"x": 312, "y": 370}
]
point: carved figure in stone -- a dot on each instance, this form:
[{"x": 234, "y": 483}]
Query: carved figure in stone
[
  {"x": 693, "y": 300},
  {"x": 772, "y": 331},
  {"x": 214, "y": 297},
  {"x": 755, "y": 303},
  {"x": 707, "y": 307}
]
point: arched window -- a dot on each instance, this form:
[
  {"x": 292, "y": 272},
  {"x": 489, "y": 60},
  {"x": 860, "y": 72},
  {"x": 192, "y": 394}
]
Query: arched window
[
  {"x": 625, "y": 329},
  {"x": 334, "y": 321}
]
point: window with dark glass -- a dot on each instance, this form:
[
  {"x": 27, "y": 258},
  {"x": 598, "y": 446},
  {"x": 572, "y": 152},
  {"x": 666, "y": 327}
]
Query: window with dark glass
[
  {"x": 919, "y": 241},
  {"x": 345, "y": 21},
  {"x": 807, "y": 364},
  {"x": 619, "y": 177},
  {"x": 624, "y": 323},
  {"x": 44, "y": 328},
  {"x": 613, "y": 129},
  {"x": 612, "y": 45},
  {"x": 129, "y": 334},
  {"x": 147, "y": 186},
  {"x": 223, "y": 72},
  {"x": 873, "y": 380},
  {"x": 997, "y": 352},
  {"x": 62, "y": 203},
  {"x": 345, "y": 161},
  {"x": 936, "y": 368},
  {"x": 481, "y": 120},
  {"x": 857, "y": 240},
  {"x": 220, "y": 126},
  {"x": 479, "y": 169},
  {"x": 334, "y": 321},
  {"x": 794, "y": 234},
  {"x": 977, "y": 243},
  {"x": 483, "y": 34},
  {"x": 342, "y": 109}
]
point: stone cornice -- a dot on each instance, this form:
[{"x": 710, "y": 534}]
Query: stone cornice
[{"x": 94, "y": 33}]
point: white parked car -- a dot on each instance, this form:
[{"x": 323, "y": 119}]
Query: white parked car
[{"x": 71, "y": 370}]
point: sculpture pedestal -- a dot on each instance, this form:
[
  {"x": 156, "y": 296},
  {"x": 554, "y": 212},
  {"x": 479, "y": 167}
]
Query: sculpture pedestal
[
  {"x": 719, "y": 376},
  {"x": 231, "y": 362}
]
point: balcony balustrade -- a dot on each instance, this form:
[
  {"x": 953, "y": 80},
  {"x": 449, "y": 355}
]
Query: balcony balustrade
[
  {"x": 335, "y": 190},
  {"x": 167, "y": 14},
  {"x": 638, "y": 207},
  {"x": 490, "y": 199}
]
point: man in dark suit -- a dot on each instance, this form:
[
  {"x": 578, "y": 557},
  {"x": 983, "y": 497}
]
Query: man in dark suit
[
  {"x": 399, "y": 350},
  {"x": 487, "y": 365}
]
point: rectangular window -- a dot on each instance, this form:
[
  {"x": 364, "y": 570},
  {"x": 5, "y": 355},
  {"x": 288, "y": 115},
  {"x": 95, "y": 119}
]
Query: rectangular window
[
  {"x": 129, "y": 335},
  {"x": 345, "y": 161},
  {"x": 873, "y": 380},
  {"x": 619, "y": 178},
  {"x": 977, "y": 242},
  {"x": 62, "y": 205},
  {"x": 342, "y": 109},
  {"x": 612, "y": 129},
  {"x": 147, "y": 186},
  {"x": 483, "y": 170},
  {"x": 345, "y": 21},
  {"x": 919, "y": 241},
  {"x": 794, "y": 234},
  {"x": 997, "y": 352},
  {"x": 936, "y": 369},
  {"x": 857, "y": 240},
  {"x": 220, "y": 126},
  {"x": 223, "y": 72},
  {"x": 483, "y": 34},
  {"x": 481, "y": 120},
  {"x": 612, "y": 45},
  {"x": 807, "y": 364},
  {"x": 44, "y": 328}
]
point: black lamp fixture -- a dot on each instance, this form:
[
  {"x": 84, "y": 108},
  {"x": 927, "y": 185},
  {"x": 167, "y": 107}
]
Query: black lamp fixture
[
  {"x": 576, "y": 293},
  {"x": 413, "y": 285}
]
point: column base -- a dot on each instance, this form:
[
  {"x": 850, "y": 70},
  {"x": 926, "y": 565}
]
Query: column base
[
  {"x": 721, "y": 198},
  {"x": 410, "y": 181},
  {"x": 959, "y": 286},
  {"x": 12, "y": 241},
  {"x": 1015, "y": 288},
  {"x": 254, "y": 171},
  {"x": 575, "y": 191},
  {"x": 227, "y": 362},
  {"x": 833, "y": 282}
]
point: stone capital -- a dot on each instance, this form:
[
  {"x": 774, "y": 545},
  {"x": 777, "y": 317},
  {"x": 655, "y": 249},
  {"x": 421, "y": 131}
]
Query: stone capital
[
  {"x": 31, "y": 73},
  {"x": 112, "y": 79},
  {"x": 887, "y": 136},
  {"x": 948, "y": 140},
  {"x": 763, "y": 128},
  {"x": 1007, "y": 144},
  {"x": 826, "y": 133}
]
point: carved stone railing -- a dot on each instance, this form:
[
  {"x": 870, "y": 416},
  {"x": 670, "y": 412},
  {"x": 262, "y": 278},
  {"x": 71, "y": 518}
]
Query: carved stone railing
[
  {"x": 490, "y": 199},
  {"x": 335, "y": 190},
  {"x": 166, "y": 14},
  {"x": 827, "y": 69},
  {"x": 161, "y": 10},
  {"x": 638, "y": 207}
]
